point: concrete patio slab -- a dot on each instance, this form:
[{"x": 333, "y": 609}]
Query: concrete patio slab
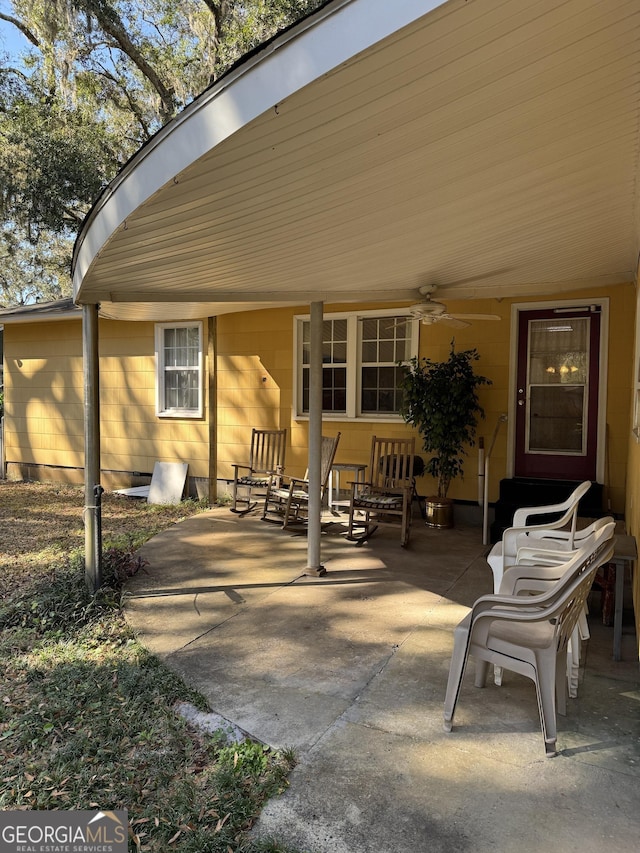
[{"x": 350, "y": 669}]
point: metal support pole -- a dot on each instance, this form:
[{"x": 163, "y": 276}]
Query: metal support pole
[
  {"x": 92, "y": 488},
  {"x": 314, "y": 564}
]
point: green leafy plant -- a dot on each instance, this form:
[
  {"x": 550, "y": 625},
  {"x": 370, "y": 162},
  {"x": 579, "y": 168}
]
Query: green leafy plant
[{"x": 440, "y": 399}]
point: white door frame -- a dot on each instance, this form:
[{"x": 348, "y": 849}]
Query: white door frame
[{"x": 516, "y": 308}]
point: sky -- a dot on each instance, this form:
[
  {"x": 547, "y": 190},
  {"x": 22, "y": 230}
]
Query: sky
[{"x": 12, "y": 42}]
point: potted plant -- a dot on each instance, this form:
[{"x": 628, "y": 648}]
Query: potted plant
[{"x": 440, "y": 399}]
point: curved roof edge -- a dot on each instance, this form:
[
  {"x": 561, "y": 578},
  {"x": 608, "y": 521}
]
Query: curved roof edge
[{"x": 312, "y": 48}]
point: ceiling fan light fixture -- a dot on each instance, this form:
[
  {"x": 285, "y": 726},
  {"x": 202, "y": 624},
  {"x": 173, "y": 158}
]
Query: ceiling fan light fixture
[{"x": 430, "y": 311}]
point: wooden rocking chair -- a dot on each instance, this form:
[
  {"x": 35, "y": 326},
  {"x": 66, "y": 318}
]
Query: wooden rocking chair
[
  {"x": 266, "y": 460},
  {"x": 287, "y": 500},
  {"x": 386, "y": 498}
]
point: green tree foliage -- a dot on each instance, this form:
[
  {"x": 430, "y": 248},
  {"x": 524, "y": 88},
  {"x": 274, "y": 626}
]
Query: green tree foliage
[{"x": 96, "y": 79}]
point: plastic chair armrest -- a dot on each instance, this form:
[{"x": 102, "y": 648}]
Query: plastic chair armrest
[
  {"x": 543, "y": 556},
  {"x": 570, "y": 506},
  {"x": 511, "y": 534}
]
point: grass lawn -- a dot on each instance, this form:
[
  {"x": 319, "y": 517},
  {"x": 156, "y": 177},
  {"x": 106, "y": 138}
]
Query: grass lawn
[{"x": 86, "y": 714}]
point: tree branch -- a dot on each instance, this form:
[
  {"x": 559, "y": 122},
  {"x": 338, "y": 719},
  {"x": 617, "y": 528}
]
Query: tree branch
[
  {"x": 132, "y": 105},
  {"x": 220, "y": 12},
  {"x": 26, "y": 32},
  {"x": 112, "y": 26}
]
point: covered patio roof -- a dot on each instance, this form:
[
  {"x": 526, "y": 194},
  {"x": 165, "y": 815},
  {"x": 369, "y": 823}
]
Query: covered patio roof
[{"x": 488, "y": 147}]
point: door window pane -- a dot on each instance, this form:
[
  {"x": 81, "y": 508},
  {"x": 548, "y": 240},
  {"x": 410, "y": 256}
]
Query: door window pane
[
  {"x": 556, "y": 415},
  {"x": 558, "y": 373},
  {"x": 559, "y": 351}
]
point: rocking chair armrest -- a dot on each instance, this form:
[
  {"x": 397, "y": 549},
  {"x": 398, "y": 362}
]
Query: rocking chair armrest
[
  {"x": 399, "y": 489},
  {"x": 276, "y": 478},
  {"x": 355, "y": 483},
  {"x": 294, "y": 480},
  {"x": 237, "y": 466}
]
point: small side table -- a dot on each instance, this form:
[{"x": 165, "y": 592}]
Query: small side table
[
  {"x": 626, "y": 552},
  {"x": 334, "y": 482}
]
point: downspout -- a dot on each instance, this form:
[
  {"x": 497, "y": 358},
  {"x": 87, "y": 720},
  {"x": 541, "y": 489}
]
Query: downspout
[
  {"x": 92, "y": 488},
  {"x": 314, "y": 528}
]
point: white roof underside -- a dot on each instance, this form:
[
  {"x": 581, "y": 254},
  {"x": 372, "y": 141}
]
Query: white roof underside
[{"x": 489, "y": 146}]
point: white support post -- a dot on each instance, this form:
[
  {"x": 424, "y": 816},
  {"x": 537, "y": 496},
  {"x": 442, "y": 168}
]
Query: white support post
[{"x": 314, "y": 563}]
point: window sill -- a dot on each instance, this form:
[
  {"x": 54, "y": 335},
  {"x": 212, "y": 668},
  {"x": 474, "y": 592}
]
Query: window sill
[
  {"x": 187, "y": 413},
  {"x": 370, "y": 419}
]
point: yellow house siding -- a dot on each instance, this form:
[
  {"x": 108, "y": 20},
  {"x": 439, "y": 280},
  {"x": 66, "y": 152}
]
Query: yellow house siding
[
  {"x": 44, "y": 422},
  {"x": 258, "y": 345},
  {"x": 44, "y": 390},
  {"x": 492, "y": 340},
  {"x": 133, "y": 436},
  {"x": 255, "y": 389},
  {"x": 252, "y": 371},
  {"x": 619, "y": 402}
]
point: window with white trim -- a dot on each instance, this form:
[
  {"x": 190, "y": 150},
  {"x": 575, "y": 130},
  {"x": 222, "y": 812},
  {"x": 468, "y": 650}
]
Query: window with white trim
[
  {"x": 179, "y": 362},
  {"x": 360, "y": 370}
]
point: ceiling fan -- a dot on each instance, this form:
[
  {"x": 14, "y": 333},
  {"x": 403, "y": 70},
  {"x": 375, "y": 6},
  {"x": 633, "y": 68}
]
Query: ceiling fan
[{"x": 430, "y": 311}]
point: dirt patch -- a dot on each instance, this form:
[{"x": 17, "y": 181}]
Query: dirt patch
[{"x": 41, "y": 526}]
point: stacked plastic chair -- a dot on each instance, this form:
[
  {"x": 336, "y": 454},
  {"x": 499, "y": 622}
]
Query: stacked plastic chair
[{"x": 529, "y": 633}]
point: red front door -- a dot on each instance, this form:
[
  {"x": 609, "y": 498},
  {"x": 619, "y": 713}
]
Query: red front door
[{"x": 557, "y": 393}]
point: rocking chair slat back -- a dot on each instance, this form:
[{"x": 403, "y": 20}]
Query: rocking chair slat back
[
  {"x": 267, "y": 450},
  {"x": 266, "y": 458},
  {"x": 327, "y": 455},
  {"x": 288, "y": 500},
  {"x": 386, "y": 498},
  {"x": 391, "y": 463}
]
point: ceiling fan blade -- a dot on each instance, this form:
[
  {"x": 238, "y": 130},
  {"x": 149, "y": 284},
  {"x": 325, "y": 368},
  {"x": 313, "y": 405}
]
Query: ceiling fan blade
[
  {"x": 451, "y": 320},
  {"x": 476, "y": 316},
  {"x": 401, "y": 321}
]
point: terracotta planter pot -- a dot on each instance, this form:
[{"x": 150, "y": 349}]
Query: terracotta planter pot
[{"x": 439, "y": 512}]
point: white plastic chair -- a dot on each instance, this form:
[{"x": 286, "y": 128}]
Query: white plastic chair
[
  {"x": 537, "y": 568},
  {"x": 504, "y": 553},
  {"x": 551, "y": 547},
  {"x": 528, "y": 635},
  {"x": 554, "y": 545}
]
